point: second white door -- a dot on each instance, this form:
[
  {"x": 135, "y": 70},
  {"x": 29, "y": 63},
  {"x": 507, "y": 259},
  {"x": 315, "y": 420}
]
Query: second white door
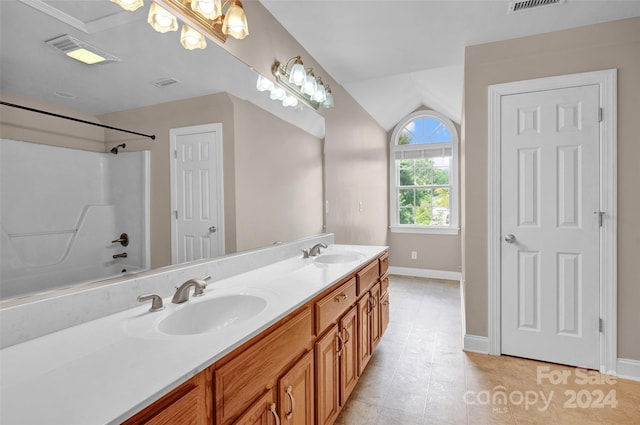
[
  {"x": 197, "y": 228},
  {"x": 550, "y": 225}
]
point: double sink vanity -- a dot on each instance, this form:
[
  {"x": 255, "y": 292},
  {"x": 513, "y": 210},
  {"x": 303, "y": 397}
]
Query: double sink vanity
[{"x": 284, "y": 343}]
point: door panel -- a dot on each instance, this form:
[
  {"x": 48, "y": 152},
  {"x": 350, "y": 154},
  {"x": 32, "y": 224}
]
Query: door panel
[
  {"x": 550, "y": 251},
  {"x": 198, "y": 193}
]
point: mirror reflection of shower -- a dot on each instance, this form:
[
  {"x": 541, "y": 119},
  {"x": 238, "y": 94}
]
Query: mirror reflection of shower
[{"x": 115, "y": 150}]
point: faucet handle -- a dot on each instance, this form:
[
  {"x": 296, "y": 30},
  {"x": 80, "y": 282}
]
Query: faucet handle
[
  {"x": 305, "y": 253},
  {"x": 156, "y": 301},
  {"x": 199, "y": 289}
]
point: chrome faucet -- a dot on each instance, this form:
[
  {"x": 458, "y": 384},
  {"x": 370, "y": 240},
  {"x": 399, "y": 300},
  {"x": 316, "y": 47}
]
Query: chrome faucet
[
  {"x": 156, "y": 301},
  {"x": 182, "y": 291},
  {"x": 315, "y": 250}
]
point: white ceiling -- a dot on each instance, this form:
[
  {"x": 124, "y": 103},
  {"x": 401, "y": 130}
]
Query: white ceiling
[{"x": 393, "y": 56}]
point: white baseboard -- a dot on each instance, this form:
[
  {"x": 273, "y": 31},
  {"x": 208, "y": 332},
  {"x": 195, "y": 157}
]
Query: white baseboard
[
  {"x": 476, "y": 344},
  {"x": 629, "y": 369},
  {"x": 432, "y": 274}
]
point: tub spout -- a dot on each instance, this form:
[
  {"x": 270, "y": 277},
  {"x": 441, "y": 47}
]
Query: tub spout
[{"x": 123, "y": 255}]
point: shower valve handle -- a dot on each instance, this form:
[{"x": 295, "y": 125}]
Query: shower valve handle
[{"x": 122, "y": 240}]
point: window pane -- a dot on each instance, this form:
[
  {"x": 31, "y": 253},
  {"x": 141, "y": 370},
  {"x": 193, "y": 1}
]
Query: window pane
[
  {"x": 423, "y": 216},
  {"x": 441, "y": 170},
  {"x": 406, "y": 215},
  {"x": 423, "y": 172},
  {"x": 441, "y": 197},
  {"x": 406, "y": 172},
  {"x": 440, "y": 216},
  {"x": 423, "y": 197},
  {"x": 424, "y": 130},
  {"x": 406, "y": 198}
]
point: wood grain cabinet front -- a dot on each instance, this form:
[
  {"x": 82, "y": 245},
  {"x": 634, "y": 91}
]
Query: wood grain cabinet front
[
  {"x": 327, "y": 377},
  {"x": 296, "y": 393},
  {"x": 263, "y": 412},
  {"x": 189, "y": 404},
  {"x": 246, "y": 375},
  {"x": 333, "y": 305}
]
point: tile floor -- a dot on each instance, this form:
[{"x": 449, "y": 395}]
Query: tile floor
[{"x": 420, "y": 375}]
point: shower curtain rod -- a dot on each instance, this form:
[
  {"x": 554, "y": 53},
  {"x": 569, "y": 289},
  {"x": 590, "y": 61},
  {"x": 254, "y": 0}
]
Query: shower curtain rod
[{"x": 13, "y": 105}]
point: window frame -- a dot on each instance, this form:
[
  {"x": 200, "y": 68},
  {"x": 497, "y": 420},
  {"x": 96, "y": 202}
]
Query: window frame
[{"x": 394, "y": 184}]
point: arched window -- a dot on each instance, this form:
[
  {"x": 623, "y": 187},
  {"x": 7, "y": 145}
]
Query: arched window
[{"x": 423, "y": 164}]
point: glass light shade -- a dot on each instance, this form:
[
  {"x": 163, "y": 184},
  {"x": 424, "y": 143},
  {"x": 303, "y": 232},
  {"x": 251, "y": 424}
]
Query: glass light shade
[
  {"x": 328, "y": 101},
  {"x": 278, "y": 93},
  {"x": 210, "y": 9},
  {"x": 161, "y": 20},
  {"x": 290, "y": 101},
  {"x": 129, "y": 5},
  {"x": 297, "y": 75},
  {"x": 235, "y": 21},
  {"x": 264, "y": 84},
  {"x": 320, "y": 94},
  {"x": 309, "y": 86},
  {"x": 192, "y": 39}
]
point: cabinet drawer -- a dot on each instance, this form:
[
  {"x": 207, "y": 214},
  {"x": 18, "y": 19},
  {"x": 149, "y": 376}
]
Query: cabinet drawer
[
  {"x": 244, "y": 378},
  {"x": 384, "y": 284},
  {"x": 331, "y": 307},
  {"x": 384, "y": 263},
  {"x": 367, "y": 277}
]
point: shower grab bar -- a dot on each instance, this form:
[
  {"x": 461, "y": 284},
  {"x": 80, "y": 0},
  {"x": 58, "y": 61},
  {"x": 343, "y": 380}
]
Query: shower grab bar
[{"x": 43, "y": 233}]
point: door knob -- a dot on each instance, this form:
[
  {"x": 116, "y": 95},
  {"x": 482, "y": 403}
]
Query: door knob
[
  {"x": 212, "y": 229},
  {"x": 510, "y": 238}
]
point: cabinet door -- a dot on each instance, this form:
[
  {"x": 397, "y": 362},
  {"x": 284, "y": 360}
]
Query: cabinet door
[
  {"x": 364, "y": 352},
  {"x": 262, "y": 412},
  {"x": 349, "y": 354},
  {"x": 384, "y": 313},
  {"x": 375, "y": 316},
  {"x": 327, "y": 382},
  {"x": 296, "y": 393}
]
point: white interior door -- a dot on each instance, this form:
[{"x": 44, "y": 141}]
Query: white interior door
[
  {"x": 550, "y": 225},
  {"x": 197, "y": 228}
]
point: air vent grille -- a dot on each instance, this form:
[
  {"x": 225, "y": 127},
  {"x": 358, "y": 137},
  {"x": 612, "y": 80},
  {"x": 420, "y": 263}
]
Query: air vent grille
[
  {"x": 516, "y": 6},
  {"x": 164, "y": 82},
  {"x": 66, "y": 43}
]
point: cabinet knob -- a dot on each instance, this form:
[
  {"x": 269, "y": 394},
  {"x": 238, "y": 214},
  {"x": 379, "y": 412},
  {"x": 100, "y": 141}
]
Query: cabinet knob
[{"x": 340, "y": 297}]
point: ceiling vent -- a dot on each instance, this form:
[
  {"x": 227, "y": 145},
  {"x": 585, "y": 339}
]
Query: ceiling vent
[
  {"x": 69, "y": 45},
  {"x": 517, "y": 6},
  {"x": 164, "y": 82}
]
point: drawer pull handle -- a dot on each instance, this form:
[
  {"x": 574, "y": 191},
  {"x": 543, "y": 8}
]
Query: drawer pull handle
[
  {"x": 293, "y": 402},
  {"x": 340, "y": 298},
  {"x": 339, "y": 343},
  {"x": 275, "y": 414},
  {"x": 344, "y": 341},
  {"x": 385, "y": 303}
]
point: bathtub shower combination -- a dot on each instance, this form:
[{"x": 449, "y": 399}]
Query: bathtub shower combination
[{"x": 70, "y": 216}]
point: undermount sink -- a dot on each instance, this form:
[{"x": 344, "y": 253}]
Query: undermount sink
[
  {"x": 337, "y": 258},
  {"x": 213, "y": 314}
]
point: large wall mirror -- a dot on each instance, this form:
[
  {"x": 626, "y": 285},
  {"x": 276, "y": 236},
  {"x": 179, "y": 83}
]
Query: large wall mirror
[{"x": 271, "y": 156}]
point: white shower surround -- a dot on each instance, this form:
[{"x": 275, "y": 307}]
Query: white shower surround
[{"x": 61, "y": 208}]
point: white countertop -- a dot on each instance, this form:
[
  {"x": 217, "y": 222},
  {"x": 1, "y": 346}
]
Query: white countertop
[{"x": 106, "y": 370}]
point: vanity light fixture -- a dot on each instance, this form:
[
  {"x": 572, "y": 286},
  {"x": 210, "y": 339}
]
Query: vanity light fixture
[
  {"x": 302, "y": 83},
  {"x": 264, "y": 84},
  {"x": 130, "y": 5},
  {"x": 192, "y": 39},
  {"x": 161, "y": 19},
  {"x": 207, "y": 17}
]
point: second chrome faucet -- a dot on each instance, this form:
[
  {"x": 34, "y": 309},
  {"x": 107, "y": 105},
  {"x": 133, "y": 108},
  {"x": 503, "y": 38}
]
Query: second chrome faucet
[{"x": 182, "y": 291}]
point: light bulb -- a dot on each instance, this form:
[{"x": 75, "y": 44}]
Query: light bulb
[
  {"x": 297, "y": 75},
  {"x": 210, "y": 9},
  {"x": 290, "y": 101},
  {"x": 192, "y": 39},
  {"x": 264, "y": 84},
  {"x": 320, "y": 94},
  {"x": 129, "y": 5},
  {"x": 161, "y": 20},
  {"x": 309, "y": 86},
  {"x": 235, "y": 21},
  {"x": 278, "y": 93}
]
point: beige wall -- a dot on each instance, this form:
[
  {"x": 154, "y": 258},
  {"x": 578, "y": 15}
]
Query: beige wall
[
  {"x": 597, "y": 47},
  {"x": 434, "y": 252},
  {"x": 278, "y": 174},
  {"x": 19, "y": 124}
]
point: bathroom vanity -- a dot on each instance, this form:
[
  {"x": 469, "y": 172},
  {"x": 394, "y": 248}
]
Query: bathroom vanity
[
  {"x": 301, "y": 370},
  {"x": 281, "y": 342}
]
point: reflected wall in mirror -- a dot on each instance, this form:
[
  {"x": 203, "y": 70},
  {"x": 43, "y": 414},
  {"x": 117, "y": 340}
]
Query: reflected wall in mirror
[{"x": 272, "y": 156}]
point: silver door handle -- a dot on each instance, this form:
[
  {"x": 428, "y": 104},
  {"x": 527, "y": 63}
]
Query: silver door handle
[
  {"x": 212, "y": 229},
  {"x": 510, "y": 238}
]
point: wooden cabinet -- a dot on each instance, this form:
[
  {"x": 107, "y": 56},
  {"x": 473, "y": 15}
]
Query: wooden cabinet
[
  {"x": 348, "y": 353},
  {"x": 296, "y": 393},
  {"x": 384, "y": 313},
  {"x": 374, "y": 315},
  {"x": 262, "y": 412},
  {"x": 327, "y": 377},
  {"x": 189, "y": 404},
  {"x": 242, "y": 379},
  {"x": 333, "y": 305},
  {"x": 367, "y": 277},
  {"x": 364, "y": 335}
]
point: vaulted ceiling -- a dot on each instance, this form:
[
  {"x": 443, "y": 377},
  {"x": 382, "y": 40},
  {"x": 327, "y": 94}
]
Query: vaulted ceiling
[{"x": 392, "y": 56}]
